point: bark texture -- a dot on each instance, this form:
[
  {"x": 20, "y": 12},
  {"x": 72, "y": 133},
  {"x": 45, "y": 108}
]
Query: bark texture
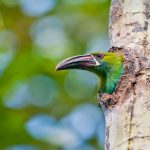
[{"x": 127, "y": 110}]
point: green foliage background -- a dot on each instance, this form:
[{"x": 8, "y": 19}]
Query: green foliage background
[{"x": 32, "y": 42}]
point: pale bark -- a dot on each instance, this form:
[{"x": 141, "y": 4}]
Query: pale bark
[{"x": 127, "y": 111}]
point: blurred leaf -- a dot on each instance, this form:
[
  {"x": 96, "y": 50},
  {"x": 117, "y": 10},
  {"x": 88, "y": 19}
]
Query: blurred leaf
[{"x": 34, "y": 36}]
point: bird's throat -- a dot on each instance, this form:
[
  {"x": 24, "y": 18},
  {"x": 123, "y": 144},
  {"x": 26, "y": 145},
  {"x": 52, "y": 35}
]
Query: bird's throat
[{"x": 109, "y": 79}]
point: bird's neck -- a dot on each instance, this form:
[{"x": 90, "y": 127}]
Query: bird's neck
[
  {"x": 109, "y": 77},
  {"x": 112, "y": 79}
]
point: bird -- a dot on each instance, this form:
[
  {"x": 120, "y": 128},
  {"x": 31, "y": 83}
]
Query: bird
[{"x": 108, "y": 66}]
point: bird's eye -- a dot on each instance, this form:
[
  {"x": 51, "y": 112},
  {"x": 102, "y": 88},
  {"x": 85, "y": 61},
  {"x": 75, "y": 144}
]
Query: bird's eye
[{"x": 100, "y": 56}]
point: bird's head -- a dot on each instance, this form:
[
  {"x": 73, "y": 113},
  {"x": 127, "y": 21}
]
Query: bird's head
[
  {"x": 107, "y": 65},
  {"x": 98, "y": 62}
]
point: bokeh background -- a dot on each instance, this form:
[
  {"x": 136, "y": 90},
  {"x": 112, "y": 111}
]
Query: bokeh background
[{"x": 41, "y": 109}]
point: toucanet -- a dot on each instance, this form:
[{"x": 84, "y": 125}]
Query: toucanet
[{"x": 108, "y": 66}]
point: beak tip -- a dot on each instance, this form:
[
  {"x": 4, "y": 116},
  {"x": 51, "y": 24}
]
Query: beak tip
[{"x": 58, "y": 67}]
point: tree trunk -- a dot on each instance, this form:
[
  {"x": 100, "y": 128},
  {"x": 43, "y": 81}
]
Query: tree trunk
[{"x": 127, "y": 110}]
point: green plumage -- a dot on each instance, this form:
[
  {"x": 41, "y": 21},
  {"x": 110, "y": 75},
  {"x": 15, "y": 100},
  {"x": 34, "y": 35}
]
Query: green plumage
[
  {"x": 109, "y": 71},
  {"x": 108, "y": 66}
]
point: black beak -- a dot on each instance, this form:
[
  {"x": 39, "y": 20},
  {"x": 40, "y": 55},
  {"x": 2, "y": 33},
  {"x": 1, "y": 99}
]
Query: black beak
[{"x": 78, "y": 62}]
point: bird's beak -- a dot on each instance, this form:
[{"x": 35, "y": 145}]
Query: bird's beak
[{"x": 78, "y": 62}]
